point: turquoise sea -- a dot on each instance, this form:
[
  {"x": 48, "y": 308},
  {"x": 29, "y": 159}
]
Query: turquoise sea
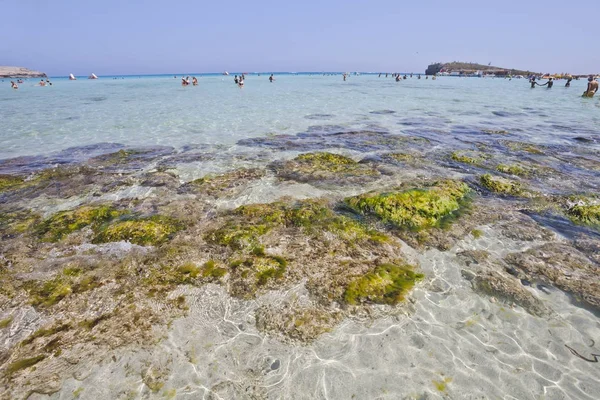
[
  {"x": 208, "y": 300},
  {"x": 157, "y": 110}
]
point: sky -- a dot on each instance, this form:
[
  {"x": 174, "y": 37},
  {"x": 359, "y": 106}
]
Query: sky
[{"x": 150, "y": 37}]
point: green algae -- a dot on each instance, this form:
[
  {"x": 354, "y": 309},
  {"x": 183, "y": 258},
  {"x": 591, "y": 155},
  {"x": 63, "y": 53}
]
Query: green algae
[
  {"x": 65, "y": 222},
  {"x": 588, "y": 214},
  {"x": 6, "y": 322},
  {"x": 9, "y": 182},
  {"x": 522, "y": 146},
  {"x": 442, "y": 385},
  {"x": 514, "y": 169},
  {"x": 312, "y": 216},
  {"x": 152, "y": 231},
  {"x": 402, "y": 157},
  {"x": 500, "y": 185},
  {"x": 465, "y": 159},
  {"x": 52, "y": 291},
  {"x": 387, "y": 284},
  {"x": 323, "y": 160},
  {"x": 23, "y": 364},
  {"x": 45, "y": 332},
  {"x": 218, "y": 183},
  {"x": 414, "y": 208},
  {"x": 476, "y": 233},
  {"x": 17, "y": 222},
  {"x": 322, "y": 165}
]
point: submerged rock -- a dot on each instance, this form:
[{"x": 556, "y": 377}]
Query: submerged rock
[
  {"x": 66, "y": 222},
  {"x": 414, "y": 208},
  {"x": 509, "y": 290},
  {"x": 564, "y": 267},
  {"x": 585, "y": 211},
  {"x": 501, "y": 185},
  {"x": 219, "y": 184},
  {"x": 324, "y": 167},
  {"x": 152, "y": 231},
  {"x": 386, "y": 284}
]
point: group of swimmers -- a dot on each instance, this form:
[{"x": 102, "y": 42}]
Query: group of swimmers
[
  {"x": 15, "y": 85},
  {"x": 591, "y": 90},
  {"x": 186, "y": 81},
  {"x": 239, "y": 80}
]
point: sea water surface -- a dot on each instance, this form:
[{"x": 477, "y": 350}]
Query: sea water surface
[
  {"x": 157, "y": 110},
  {"x": 454, "y": 344}
]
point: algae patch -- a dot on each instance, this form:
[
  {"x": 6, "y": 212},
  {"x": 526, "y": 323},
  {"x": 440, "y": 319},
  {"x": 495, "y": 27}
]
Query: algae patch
[
  {"x": 387, "y": 284},
  {"x": 65, "y": 222},
  {"x": 153, "y": 231},
  {"x": 414, "y": 208},
  {"x": 500, "y": 185}
]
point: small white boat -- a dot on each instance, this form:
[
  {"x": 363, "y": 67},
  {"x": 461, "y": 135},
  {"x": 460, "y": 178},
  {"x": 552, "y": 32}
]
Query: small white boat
[
  {"x": 92, "y": 76},
  {"x": 72, "y": 77},
  {"x": 225, "y": 73}
]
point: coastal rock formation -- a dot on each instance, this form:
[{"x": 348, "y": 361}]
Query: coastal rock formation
[
  {"x": 102, "y": 245},
  {"x": 20, "y": 72}
]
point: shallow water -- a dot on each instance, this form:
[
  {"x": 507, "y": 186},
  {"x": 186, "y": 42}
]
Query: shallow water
[
  {"x": 446, "y": 342},
  {"x": 158, "y": 111}
]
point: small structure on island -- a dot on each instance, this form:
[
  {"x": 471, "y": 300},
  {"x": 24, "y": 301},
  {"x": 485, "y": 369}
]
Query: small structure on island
[
  {"x": 92, "y": 76},
  {"x": 72, "y": 77}
]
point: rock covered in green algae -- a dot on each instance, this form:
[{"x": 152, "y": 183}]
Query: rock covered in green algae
[
  {"x": 311, "y": 215},
  {"x": 311, "y": 167},
  {"x": 152, "y": 231},
  {"x": 501, "y": 185},
  {"x": 8, "y": 182},
  {"x": 387, "y": 284},
  {"x": 522, "y": 146},
  {"x": 214, "y": 185},
  {"x": 469, "y": 157},
  {"x": 414, "y": 208},
  {"x": 65, "y": 222},
  {"x": 586, "y": 212},
  {"x": 513, "y": 169}
]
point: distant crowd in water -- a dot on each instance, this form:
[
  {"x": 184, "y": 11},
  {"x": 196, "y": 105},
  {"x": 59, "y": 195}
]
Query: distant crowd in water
[{"x": 590, "y": 91}]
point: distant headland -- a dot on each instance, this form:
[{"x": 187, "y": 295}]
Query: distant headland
[
  {"x": 20, "y": 72},
  {"x": 464, "y": 68}
]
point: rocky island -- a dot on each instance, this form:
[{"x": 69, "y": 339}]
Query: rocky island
[
  {"x": 471, "y": 68},
  {"x": 20, "y": 72}
]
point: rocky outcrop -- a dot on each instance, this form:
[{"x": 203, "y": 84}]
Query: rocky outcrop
[{"x": 20, "y": 72}]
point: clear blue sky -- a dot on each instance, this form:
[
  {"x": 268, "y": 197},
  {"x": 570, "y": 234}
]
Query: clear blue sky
[{"x": 151, "y": 36}]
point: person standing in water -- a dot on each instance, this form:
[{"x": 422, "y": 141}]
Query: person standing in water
[
  {"x": 533, "y": 82},
  {"x": 569, "y": 79},
  {"x": 592, "y": 87},
  {"x": 194, "y": 81},
  {"x": 549, "y": 83},
  {"x": 13, "y": 85},
  {"x": 236, "y": 80},
  {"x": 271, "y": 78}
]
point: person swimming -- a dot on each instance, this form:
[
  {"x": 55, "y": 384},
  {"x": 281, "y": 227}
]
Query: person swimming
[
  {"x": 592, "y": 87},
  {"x": 194, "y": 81},
  {"x": 271, "y": 78},
  {"x": 42, "y": 83},
  {"x": 13, "y": 85}
]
